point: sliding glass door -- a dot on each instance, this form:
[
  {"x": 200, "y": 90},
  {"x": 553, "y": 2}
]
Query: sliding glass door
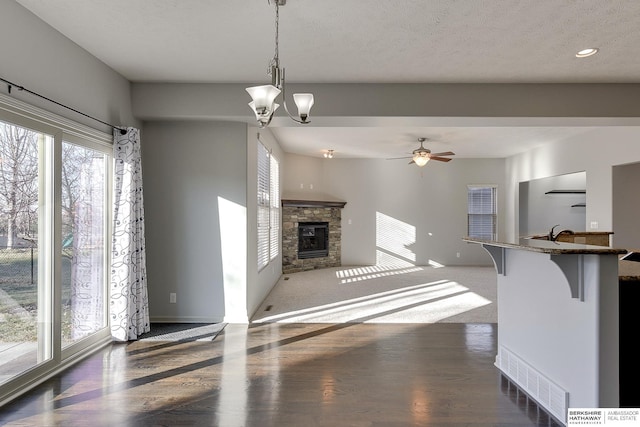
[{"x": 54, "y": 245}]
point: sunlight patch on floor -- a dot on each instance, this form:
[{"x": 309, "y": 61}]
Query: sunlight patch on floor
[
  {"x": 436, "y": 264},
  {"x": 436, "y": 310},
  {"x": 361, "y": 276},
  {"x": 424, "y": 303}
]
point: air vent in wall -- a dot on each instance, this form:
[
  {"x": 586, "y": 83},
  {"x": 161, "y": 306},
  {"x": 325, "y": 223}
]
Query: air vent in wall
[{"x": 549, "y": 395}]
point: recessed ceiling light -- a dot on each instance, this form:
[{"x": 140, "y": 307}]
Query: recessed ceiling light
[{"x": 587, "y": 52}]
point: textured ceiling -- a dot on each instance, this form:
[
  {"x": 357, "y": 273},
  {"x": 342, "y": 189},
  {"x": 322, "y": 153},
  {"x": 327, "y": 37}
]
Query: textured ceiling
[{"x": 361, "y": 41}]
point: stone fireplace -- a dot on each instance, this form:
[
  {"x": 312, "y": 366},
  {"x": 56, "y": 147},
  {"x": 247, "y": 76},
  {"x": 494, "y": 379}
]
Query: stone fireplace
[{"x": 311, "y": 235}]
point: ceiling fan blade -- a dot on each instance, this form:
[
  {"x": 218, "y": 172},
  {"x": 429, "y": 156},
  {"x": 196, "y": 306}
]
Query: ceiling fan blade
[
  {"x": 411, "y": 162},
  {"x": 440, "y": 159},
  {"x": 446, "y": 153},
  {"x": 396, "y": 158}
]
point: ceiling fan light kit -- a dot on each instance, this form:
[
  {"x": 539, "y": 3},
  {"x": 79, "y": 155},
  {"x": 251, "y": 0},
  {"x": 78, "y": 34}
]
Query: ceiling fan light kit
[
  {"x": 420, "y": 159},
  {"x": 263, "y": 97},
  {"x": 421, "y": 156},
  {"x": 585, "y": 53}
]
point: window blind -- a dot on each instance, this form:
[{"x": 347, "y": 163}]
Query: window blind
[
  {"x": 274, "y": 212},
  {"x": 482, "y": 212},
  {"x": 263, "y": 207},
  {"x": 268, "y": 206}
]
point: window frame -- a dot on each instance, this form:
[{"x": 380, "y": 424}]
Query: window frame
[
  {"x": 493, "y": 205},
  {"x": 267, "y": 206}
]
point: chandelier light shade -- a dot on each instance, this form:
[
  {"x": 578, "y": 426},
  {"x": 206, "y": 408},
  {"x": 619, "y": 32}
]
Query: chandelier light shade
[
  {"x": 328, "y": 154},
  {"x": 304, "y": 102},
  {"x": 263, "y": 116},
  {"x": 263, "y": 104},
  {"x": 263, "y": 97}
]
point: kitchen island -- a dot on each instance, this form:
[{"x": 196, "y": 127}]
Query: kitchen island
[{"x": 558, "y": 334}]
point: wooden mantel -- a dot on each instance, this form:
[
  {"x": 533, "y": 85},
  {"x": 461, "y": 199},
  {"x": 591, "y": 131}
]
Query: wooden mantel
[{"x": 295, "y": 203}]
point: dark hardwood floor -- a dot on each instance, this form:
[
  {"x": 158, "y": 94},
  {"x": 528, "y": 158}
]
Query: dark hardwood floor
[{"x": 289, "y": 375}]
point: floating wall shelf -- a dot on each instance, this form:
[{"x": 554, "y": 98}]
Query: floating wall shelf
[{"x": 566, "y": 192}]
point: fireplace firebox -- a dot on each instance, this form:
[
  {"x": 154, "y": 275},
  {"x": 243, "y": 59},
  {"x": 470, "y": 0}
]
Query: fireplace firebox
[{"x": 313, "y": 240}]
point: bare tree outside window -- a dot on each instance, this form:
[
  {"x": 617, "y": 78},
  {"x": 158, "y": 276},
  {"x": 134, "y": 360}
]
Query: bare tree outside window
[
  {"x": 74, "y": 159},
  {"x": 18, "y": 183},
  {"x": 19, "y": 231}
]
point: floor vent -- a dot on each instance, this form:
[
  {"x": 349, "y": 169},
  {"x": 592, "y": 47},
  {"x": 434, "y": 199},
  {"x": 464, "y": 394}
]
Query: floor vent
[{"x": 549, "y": 395}]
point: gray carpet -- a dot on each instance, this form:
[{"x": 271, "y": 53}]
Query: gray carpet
[
  {"x": 183, "y": 332},
  {"x": 378, "y": 294}
]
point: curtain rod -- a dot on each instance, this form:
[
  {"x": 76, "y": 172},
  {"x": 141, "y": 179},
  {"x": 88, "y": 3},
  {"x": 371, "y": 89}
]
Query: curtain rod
[{"x": 123, "y": 131}]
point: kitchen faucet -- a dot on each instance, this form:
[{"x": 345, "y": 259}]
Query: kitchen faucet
[{"x": 554, "y": 237}]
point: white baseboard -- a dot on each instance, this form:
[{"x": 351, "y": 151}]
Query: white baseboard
[{"x": 186, "y": 319}]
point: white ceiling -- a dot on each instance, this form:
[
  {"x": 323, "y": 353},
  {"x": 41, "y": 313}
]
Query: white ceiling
[{"x": 364, "y": 41}]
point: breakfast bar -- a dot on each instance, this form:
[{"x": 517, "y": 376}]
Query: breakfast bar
[{"x": 558, "y": 321}]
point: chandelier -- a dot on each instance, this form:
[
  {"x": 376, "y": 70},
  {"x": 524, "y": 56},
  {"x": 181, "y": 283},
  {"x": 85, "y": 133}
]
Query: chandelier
[{"x": 263, "y": 97}]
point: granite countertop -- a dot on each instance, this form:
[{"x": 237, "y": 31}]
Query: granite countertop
[
  {"x": 628, "y": 271},
  {"x": 548, "y": 247},
  {"x": 575, "y": 233}
]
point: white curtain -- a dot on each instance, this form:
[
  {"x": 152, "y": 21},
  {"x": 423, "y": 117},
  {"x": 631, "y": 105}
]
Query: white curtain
[{"x": 129, "y": 308}]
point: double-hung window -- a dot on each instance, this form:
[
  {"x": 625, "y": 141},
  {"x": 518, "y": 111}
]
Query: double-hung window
[
  {"x": 268, "y": 210},
  {"x": 482, "y": 212}
]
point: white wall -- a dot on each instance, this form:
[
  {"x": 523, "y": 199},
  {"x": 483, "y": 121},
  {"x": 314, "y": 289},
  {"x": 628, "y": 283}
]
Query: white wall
[
  {"x": 200, "y": 204},
  {"x": 595, "y": 152},
  {"x": 304, "y": 177},
  {"x": 36, "y": 56},
  {"x": 626, "y": 206},
  {"x": 415, "y": 215},
  {"x": 195, "y": 177},
  {"x": 540, "y": 210}
]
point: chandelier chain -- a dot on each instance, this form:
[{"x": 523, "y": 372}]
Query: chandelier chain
[
  {"x": 264, "y": 96},
  {"x": 275, "y": 61}
]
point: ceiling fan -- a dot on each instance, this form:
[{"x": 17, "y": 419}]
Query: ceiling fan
[{"x": 421, "y": 156}]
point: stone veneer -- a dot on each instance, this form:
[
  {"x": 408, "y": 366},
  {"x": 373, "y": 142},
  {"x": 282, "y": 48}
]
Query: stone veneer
[{"x": 296, "y": 211}]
